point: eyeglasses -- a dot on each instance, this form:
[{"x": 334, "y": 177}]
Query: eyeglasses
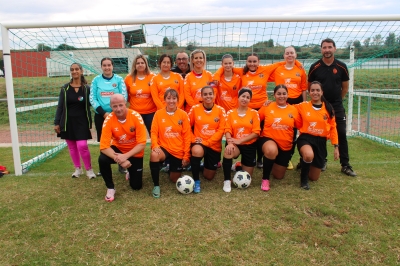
[{"x": 182, "y": 59}]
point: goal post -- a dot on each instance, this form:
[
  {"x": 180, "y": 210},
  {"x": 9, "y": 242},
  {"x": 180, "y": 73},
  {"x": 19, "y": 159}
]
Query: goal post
[{"x": 37, "y": 56}]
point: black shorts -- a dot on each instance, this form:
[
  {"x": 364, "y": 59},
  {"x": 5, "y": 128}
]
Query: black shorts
[
  {"x": 248, "y": 153},
  {"x": 175, "y": 164},
  {"x": 318, "y": 145},
  {"x": 211, "y": 157},
  {"x": 283, "y": 157}
]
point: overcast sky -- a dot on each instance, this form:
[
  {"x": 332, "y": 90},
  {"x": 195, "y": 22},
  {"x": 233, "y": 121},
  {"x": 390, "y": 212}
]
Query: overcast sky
[{"x": 63, "y": 10}]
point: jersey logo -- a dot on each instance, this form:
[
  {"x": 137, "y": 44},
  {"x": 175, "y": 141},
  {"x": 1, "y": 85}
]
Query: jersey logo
[
  {"x": 334, "y": 71},
  {"x": 206, "y": 131},
  {"x": 277, "y": 126},
  {"x": 250, "y": 82},
  {"x": 297, "y": 74},
  {"x": 216, "y": 120},
  {"x": 315, "y": 131},
  {"x": 290, "y": 115},
  {"x": 261, "y": 75},
  {"x": 114, "y": 85},
  {"x": 132, "y": 129},
  {"x": 106, "y": 93},
  {"x": 308, "y": 113},
  {"x": 325, "y": 117},
  {"x": 199, "y": 117},
  {"x": 234, "y": 121},
  {"x": 160, "y": 82},
  {"x": 163, "y": 120},
  {"x": 122, "y": 138},
  {"x": 116, "y": 129},
  {"x": 198, "y": 94},
  {"x": 288, "y": 80},
  {"x": 176, "y": 82},
  {"x": 179, "y": 122},
  {"x": 251, "y": 121},
  {"x": 168, "y": 134},
  {"x": 240, "y": 134},
  {"x": 271, "y": 112}
]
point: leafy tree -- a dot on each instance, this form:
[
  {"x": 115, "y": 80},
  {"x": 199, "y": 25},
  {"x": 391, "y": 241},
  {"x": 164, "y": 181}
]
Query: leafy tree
[
  {"x": 192, "y": 45},
  {"x": 43, "y": 47},
  {"x": 165, "y": 42},
  {"x": 64, "y": 47},
  {"x": 391, "y": 39},
  {"x": 367, "y": 42},
  {"x": 316, "y": 49},
  {"x": 357, "y": 44},
  {"x": 270, "y": 43},
  {"x": 297, "y": 49},
  {"x": 377, "y": 40},
  {"x": 172, "y": 43}
]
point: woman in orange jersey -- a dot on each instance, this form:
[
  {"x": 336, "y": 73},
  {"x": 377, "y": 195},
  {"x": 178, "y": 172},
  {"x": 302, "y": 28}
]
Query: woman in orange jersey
[
  {"x": 170, "y": 139},
  {"x": 241, "y": 132},
  {"x": 208, "y": 122},
  {"x": 228, "y": 87},
  {"x": 196, "y": 79},
  {"x": 164, "y": 80},
  {"x": 138, "y": 87},
  {"x": 318, "y": 124},
  {"x": 295, "y": 79},
  {"x": 277, "y": 136},
  {"x": 255, "y": 77}
]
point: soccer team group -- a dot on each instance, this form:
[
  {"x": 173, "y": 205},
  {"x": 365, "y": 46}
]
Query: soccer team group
[{"x": 187, "y": 111}]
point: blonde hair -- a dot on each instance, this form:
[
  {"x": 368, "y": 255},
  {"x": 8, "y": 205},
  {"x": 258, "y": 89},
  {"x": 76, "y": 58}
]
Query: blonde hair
[{"x": 197, "y": 51}]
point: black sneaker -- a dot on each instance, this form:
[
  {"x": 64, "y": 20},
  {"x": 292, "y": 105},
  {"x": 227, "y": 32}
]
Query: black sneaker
[
  {"x": 348, "y": 170},
  {"x": 305, "y": 186},
  {"x": 122, "y": 170}
]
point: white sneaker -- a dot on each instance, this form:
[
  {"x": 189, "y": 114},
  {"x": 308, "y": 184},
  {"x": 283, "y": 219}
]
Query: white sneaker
[
  {"x": 77, "y": 173},
  {"x": 237, "y": 164},
  {"x": 227, "y": 186},
  {"x": 110, "y": 195},
  {"x": 90, "y": 174}
]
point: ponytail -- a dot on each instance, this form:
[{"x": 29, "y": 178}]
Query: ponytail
[
  {"x": 328, "y": 107},
  {"x": 246, "y": 68}
]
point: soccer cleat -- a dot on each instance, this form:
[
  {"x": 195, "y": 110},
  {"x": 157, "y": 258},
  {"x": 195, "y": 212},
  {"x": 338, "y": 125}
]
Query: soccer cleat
[
  {"x": 196, "y": 188},
  {"x": 227, "y": 186},
  {"x": 237, "y": 164},
  {"x": 90, "y": 174},
  {"x": 127, "y": 176},
  {"x": 98, "y": 174},
  {"x": 348, "y": 170},
  {"x": 219, "y": 165},
  {"x": 156, "y": 192},
  {"x": 305, "y": 186},
  {"x": 265, "y": 185},
  {"x": 290, "y": 166},
  {"x": 110, "y": 195},
  {"x": 201, "y": 167},
  {"x": 122, "y": 170},
  {"x": 260, "y": 165},
  {"x": 165, "y": 169},
  {"x": 77, "y": 173},
  {"x": 188, "y": 168}
]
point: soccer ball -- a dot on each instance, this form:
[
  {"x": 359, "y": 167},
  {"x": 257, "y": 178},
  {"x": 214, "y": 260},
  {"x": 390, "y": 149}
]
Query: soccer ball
[
  {"x": 242, "y": 179},
  {"x": 185, "y": 184}
]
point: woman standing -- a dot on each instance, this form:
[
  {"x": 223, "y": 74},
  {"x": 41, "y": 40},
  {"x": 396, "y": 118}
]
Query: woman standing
[
  {"x": 228, "y": 87},
  {"x": 318, "y": 124},
  {"x": 170, "y": 139},
  {"x": 102, "y": 88},
  {"x": 208, "y": 122},
  {"x": 196, "y": 79},
  {"x": 241, "y": 132},
  {"x": 73, "y": 120},
  {"x": 137, "y": 84},
  {"x": 295, "y": 79},
  {"x": 277, "y": 136},
  {"x": 164, "y": 80}
]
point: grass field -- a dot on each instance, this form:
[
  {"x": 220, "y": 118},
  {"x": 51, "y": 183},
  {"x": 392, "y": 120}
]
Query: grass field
[{"x": 48, "y": 218}]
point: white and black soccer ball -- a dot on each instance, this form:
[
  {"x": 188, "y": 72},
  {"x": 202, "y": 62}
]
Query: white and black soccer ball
[
  {"x": 185, "y": 184},
  {"x": 242, "y": 179}
]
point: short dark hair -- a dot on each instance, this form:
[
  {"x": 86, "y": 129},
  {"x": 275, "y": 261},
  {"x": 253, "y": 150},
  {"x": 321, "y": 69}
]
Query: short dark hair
[
  {"x": 328, "y": 40},
  {"x": 171, "y": 92},
  {"x": 245, "y": 89},
  {"x": 107, "y": 58},
  {"x": 162, "y": 58}
]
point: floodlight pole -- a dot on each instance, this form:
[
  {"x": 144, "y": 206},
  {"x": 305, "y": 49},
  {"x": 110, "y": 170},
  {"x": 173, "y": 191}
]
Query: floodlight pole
[{"x": 12, "y": 114}]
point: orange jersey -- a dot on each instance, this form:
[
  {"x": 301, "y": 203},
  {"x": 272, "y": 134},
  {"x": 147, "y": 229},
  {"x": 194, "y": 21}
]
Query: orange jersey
[
  {"x": 125, "y": 136},
  {"x": 192, "y": 87},
  {"x": 279, "y": 123},
  {"x": 227, "y": 92},
  {"x": 294, "y": 79},
  {"x": 172, "y": 132},
  {"x": 256, "y": 81},
  {"x": 317, "y": 122},
  {"x": 159, "y": 85},
  {"x": 242, "y": 126},
  {"x": 209, "y": 126},
  {"x": 139, "y": 94}
]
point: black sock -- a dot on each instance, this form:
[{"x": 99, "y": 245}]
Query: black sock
[
  {"x": 305, "y": 169},
  {"x": 195, "y": 163},
  {"x": 155, "y": 172},
  {"x": 226, "y": 166},
  {"x": 267, "y": 167}
]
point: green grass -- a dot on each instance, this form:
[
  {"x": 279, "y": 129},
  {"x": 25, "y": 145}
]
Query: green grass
[{"x": 48, "y": 218}]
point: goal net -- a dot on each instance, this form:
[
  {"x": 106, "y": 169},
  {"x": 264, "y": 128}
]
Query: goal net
[{"x": 39, "y": 56}]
